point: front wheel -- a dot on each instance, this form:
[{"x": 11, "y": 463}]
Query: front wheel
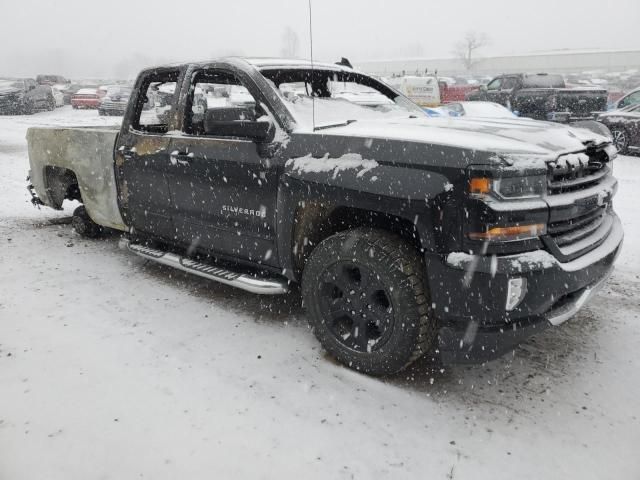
[
  {"x": 365, "y": 295},
  {"x": 620, "y": 139},
  {"x": 27, "y": 108}
]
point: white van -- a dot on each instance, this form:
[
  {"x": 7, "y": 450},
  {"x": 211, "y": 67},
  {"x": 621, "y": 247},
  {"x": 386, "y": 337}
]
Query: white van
[{"x": 423, "y": 91}]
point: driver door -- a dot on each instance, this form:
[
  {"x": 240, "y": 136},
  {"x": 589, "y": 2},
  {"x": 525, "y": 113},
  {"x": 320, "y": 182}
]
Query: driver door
[{"x": 223, "y": 187}]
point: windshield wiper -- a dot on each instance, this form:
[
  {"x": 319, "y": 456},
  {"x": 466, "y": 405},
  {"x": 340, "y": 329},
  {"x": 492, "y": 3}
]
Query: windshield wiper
[{"x": 332, "y": 125}]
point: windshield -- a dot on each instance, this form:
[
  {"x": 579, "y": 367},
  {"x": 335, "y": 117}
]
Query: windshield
[{"x": 337, "y": 97}]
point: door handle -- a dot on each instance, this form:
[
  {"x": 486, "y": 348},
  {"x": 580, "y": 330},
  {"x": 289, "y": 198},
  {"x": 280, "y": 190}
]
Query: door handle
[
  {"x": 180, "y": 158},
  {"x": 128, "y": 152}
]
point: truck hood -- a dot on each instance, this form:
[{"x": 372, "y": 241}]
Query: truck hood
[
  {"x": 509, "y": 136},
  {"x": 9, "y": 90}
]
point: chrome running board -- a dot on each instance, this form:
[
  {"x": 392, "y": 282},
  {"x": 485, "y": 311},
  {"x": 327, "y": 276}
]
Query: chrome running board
[{"x": 264, "y": 286}]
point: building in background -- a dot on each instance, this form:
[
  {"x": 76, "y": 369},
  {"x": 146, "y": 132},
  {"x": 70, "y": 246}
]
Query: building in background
[{"x": 557, "y": 61}]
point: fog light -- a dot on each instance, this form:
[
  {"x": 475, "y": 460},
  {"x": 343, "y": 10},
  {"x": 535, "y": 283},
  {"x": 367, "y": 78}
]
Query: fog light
[{"x": 516, "y": 290}]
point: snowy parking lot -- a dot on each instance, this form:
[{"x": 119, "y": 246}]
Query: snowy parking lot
[{"x": 115, "y": 368}]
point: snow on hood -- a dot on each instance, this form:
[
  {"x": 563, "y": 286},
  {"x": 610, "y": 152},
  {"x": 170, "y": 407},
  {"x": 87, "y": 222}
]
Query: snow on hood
[
  {"x": 515, "y": 136},
  {"x": 7, "y": 89}
]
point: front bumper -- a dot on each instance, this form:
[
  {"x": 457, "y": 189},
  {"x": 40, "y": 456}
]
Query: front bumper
[{"x": 469, "y": 292}]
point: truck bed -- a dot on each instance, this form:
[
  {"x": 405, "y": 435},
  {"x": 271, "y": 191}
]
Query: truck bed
[{"x": 87, "y": 152}]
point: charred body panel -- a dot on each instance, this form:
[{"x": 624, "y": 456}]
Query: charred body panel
[{"x": 76, "y": 164}]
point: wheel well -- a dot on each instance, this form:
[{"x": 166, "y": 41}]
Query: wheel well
[
  {"x": 315, "y": 222},
  {"x": 61, "y": 184}
]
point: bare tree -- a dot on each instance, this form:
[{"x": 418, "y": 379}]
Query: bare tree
[
  {"x": 290, "y": 43},
  {"x": 466, "y": 50}
]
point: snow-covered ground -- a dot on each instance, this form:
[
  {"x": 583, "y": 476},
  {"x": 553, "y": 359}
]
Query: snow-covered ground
[{"x": 114, "y": 368}]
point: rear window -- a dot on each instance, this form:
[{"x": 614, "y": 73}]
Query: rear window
[{"x": 543, "y": 81}]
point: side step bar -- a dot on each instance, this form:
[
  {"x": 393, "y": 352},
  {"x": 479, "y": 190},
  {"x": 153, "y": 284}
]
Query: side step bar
[{"x": 264, "y": 286}]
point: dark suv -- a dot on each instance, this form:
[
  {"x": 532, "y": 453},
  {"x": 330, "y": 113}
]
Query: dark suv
[{"x": 24, "y": 96}]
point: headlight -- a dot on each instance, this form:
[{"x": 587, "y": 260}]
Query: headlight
[{"x": 509, "y": 188}]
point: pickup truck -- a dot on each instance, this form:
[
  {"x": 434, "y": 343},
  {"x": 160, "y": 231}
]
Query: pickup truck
[
  {"x": 543, "y": 96},
  {"x": 407, "y": 234},
  {"x": 24, "y": 96}
]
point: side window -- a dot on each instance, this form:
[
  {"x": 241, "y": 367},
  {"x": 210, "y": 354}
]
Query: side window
[
  {"x": 156, "y": 102},
  {"x": 220, "y": 105},
  {"x": 508, "y": 83},
  {"x": 632, "y": 99},
  {"x": 495, "y": 84}
]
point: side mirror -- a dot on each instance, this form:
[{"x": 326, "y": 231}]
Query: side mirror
[
  {"x": 256, "y": 130},
  {"x": 238, "y": 121},
  {"x": 484, "y": 89}
]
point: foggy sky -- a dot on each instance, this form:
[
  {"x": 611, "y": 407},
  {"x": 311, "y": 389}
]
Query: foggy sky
[{"x": 115, "y": 38}]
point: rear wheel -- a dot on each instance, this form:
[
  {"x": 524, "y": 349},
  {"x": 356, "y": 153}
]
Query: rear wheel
[
  {"x": 620, "y": 139},
  {"x": 367, "y": 302},
  {"x": 83, "y": 225}
]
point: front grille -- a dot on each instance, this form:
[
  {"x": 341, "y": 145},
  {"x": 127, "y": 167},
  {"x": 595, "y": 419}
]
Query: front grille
[
  {"x": 577, "y": 171},
  {"x": 580, "y": 190},
  {"x": 114, "y": 105},
  {"x": 567, "y": 232},
  {"x": 8, "y": 101}
]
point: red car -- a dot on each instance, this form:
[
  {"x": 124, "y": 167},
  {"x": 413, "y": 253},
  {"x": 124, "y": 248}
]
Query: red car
[
  {"x": 85, "y": 98},
  {"x": 454, "y": 93}
]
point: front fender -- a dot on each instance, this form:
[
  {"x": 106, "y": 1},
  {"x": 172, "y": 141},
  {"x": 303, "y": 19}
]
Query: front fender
[{"x": 414, "y": 195}]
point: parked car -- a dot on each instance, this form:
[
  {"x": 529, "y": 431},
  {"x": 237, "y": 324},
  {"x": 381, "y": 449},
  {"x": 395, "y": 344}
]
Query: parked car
[
  {"x": 24, "y": 96},
  {"x": 476, "y": 110},
  {"x": 625, "y": 127},
  {"x": 406, "y": 233},
  {"x": 58, "y": 95},
  {"x": 423, "y": 91},
  {"x": 543, "y": 97},
  {"x": 115, "y": 101},
  {"x": 631, "y": 98},
  {"x": 70, "y": 89},
  {"x": 85, "y": 98},
  {"x": 457, "y": 92},
  {"x": 51, "y": 80}
]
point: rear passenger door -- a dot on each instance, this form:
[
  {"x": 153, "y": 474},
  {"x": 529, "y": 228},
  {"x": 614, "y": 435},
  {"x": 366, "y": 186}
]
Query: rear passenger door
[
  {"x": 224, "y": 187},
  {"x": 142, "y": 156}
]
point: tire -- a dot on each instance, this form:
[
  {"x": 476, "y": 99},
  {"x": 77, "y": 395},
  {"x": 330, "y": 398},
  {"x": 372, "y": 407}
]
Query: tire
[
  {"x": 27, "y": 108},
  {"x": 369, "y": 272},
  {"x": 102, "y": 113},
  {"x": 620, "y": 139},
  {"x": 83, "y": 225}
]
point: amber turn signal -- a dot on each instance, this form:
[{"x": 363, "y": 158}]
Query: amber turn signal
[
  {"x": 518, "y": 232},
  {"x": 480, "y": 185}
]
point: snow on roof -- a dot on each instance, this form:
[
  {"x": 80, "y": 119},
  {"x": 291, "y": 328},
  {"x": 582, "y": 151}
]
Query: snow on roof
[{"x": 292, "y": 62}]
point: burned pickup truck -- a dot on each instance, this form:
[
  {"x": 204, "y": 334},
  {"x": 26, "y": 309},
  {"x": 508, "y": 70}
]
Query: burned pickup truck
[{"x": 408, "y": 235}]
